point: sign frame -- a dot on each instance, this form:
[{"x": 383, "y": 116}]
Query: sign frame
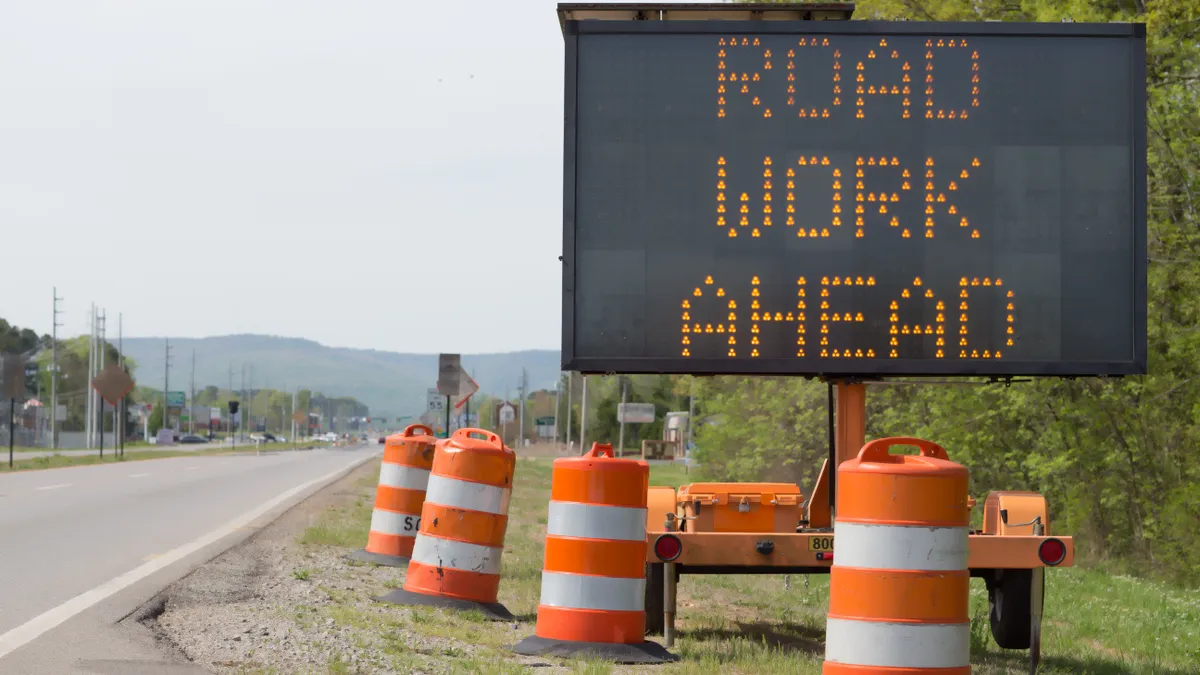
[
  {"x": 635, "y": 413},
  {"x": 837, "y": 368}
]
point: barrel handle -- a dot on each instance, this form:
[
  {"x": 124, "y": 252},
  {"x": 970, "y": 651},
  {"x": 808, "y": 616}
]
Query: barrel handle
[
  {"x": 600, "y": 450},
  {"x": 491, "y": 437},
  {"x": 877, "y": 450},
  {"x": 412, "y": 429}
]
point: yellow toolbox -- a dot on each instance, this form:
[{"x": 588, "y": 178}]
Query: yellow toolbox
[{"x": 740, "y": 507}]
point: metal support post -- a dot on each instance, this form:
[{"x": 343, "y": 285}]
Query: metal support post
[
  {"x": 669, "y": 587},
  {"x": 1037, "y": 596}
]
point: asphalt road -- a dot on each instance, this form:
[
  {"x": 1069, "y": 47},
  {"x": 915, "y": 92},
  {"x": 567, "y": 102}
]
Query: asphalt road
[
  {"x": 81, "y": 547},
  {"x": 109, "y": 449}
]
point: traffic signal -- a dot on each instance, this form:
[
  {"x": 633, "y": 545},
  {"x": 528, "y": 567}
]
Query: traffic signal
[
  {"x": 31, "y": 377},
  {"x": 233, "y": 407}
]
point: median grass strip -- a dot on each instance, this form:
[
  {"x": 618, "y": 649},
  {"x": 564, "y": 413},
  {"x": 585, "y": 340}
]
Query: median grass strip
[
  {"x": 1094, "y": 622},
  {"x": 58, "y": 461}
]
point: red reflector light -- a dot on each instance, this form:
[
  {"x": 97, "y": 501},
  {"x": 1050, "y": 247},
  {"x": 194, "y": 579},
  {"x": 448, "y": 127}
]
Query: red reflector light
[
  {"x": 1052, "y": 551},
  {"x": 667, "y": 547}
]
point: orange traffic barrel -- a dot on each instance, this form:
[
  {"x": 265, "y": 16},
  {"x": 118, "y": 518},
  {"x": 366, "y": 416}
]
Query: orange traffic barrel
[
  {"x": 594, "y": 570},
  {"x": 898, "y": 588},
  {"x": 456, "y": 557},
  {"x": 407, "y": 459}
]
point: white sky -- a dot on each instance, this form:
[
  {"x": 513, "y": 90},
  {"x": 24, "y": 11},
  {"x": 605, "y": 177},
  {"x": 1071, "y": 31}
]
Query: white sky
[{"x": 349, "y": 168}]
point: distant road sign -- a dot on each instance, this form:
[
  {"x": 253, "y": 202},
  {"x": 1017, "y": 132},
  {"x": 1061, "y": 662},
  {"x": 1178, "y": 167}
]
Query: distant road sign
[
  {"x": 545, "y": 421},
  {"x": 435, "y": 401},
  {"x": 635, "y": 413},
  {"x": 466, "y": 388},
  {"x": 14, "y": 377},
  {"x": 508, "y": 413},
  {"x": 113, "y": 383},
  {"x": 176, "y": 399},
  {"x": 449, "y": 379},
  {"x": 299, "y": 417}
]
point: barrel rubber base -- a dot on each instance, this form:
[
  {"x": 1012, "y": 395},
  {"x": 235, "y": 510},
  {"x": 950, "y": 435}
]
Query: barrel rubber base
[
  {"x": 378, "y": 558},
  {"x": 492, "y": 610},
  {"x": 646, "y": 652}
]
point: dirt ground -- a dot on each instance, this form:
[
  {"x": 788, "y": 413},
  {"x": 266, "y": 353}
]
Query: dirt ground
[{"x": 274, "y": 604}]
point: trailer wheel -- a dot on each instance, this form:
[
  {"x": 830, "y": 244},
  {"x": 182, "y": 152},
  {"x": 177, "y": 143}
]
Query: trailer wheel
[
  {"x": 655, "y": 577},
  {"x": 1009, "y": 607}
]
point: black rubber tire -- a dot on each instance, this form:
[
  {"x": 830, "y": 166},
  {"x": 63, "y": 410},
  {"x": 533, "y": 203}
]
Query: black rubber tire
[
  {"x": 1009, "y": 607},
  {"x": 655, "y": 578}
]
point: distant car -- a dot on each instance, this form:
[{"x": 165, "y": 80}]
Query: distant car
[
  {"x": 191, "y": 438},
  {"x": 270, "y": 438},
  {"x": 382, "y": 440}
]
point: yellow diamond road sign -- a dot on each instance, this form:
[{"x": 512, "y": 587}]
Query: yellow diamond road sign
[{"x": 113, "y": 383}]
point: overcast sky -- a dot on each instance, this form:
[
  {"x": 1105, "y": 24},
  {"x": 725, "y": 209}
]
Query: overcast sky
[{"x": 364, "y": 173}]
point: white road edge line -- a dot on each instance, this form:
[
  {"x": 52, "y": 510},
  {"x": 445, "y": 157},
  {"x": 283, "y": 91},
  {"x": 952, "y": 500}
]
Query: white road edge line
[
  {"x": 50, "y": 619},
  {"x": 55, "y": 487}
]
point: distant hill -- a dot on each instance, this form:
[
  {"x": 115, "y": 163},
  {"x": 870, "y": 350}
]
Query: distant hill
[{"x": 389, "y": 382}]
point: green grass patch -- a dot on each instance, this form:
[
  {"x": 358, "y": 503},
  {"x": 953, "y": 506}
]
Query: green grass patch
[
  {"x": 59, "y": 461},
  {"x": 1094, "y": 622}
]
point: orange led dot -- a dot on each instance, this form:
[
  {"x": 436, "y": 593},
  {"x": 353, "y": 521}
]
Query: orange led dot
[
  {"x": 903, "y": 234},
  {"x": 975, "y": 162},
  {"x": 929, "y": 292},
  {"x": 892, "y": 354},
  {"x": 686, "y": 316},
  {"x": 974, "y": 234},
  {"x": 904, "y": 293}
]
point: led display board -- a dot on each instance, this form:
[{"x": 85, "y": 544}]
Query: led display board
[{"x": 854, "y": 197}]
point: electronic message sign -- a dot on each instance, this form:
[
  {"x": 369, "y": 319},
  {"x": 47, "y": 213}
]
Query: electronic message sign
[{"x": 854, "y": 198}]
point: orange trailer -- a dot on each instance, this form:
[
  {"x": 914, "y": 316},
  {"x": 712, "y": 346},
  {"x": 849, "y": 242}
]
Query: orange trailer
[{"x": 773, "y": 528}]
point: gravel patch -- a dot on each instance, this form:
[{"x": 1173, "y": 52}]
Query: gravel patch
[{"x": 273, "y": 605}]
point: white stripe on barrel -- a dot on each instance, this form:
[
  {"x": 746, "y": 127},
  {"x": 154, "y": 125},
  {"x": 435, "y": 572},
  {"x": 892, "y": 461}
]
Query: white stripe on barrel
[
  {"x": 583, "y": 591},
  {"x": 897, "y": 645},
  {"x": 404, "y": 477},
  {"x": 457, "y": 555},
  {"x": 901, "y": 547},
  {"x": 462, "y": 494},
  {"x": 589, "y": 521},
  {"x": 392, "y": 522}
]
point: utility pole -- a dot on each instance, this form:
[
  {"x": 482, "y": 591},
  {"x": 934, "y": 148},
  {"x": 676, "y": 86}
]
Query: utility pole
[
  {"x": 192, "y": 400},
  {"x": 245, "y": 404},
  {"x": 570, "y": 404},
  {"x": 121, "y": 362},
  {"x": 524, "y": 395},
  {"x": 89, "y": 395},
  {"x": 54, "y": 374},
  {"x": 557, "y": 389},
  {"x": 621, "y": 435},
  {"x": 166, "y": 384},
  {"x": 293, "y": 436},
  {"x": 100, "y": 367},
  {"x": 691, "y": 423},
  {"x": 583, "y": 417}
]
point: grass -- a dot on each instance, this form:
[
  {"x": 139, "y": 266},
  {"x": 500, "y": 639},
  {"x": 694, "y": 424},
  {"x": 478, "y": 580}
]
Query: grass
[
  {"x": 59, "y": 461},
  {"x": 1095, "y": 623},
  {"x": 131, "y": 455}
]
